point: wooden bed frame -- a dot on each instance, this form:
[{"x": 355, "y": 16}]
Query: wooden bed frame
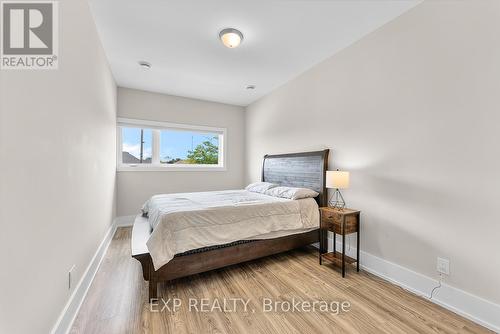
[{"x": 306, "y": 169}]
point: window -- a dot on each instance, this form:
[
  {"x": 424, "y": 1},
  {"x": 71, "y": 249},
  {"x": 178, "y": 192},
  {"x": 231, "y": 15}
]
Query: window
[
  {"x": 148, "y": 145},
  {"x": 190, "y": 147},
  {"x": 137, "y": 145}
]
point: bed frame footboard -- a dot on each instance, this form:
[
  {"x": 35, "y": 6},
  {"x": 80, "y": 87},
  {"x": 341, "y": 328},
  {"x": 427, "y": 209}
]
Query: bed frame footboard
[{"x": 185, "y": 265}]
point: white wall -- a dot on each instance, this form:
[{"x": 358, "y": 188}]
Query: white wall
[
  {"x": 57, "y": 180},
  {"x": 413, "y": 111},
  {"x": 135, "y": 187}
]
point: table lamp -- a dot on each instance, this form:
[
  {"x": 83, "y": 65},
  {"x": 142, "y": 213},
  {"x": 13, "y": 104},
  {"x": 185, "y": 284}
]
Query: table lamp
[{"x": 337, "y": 180}]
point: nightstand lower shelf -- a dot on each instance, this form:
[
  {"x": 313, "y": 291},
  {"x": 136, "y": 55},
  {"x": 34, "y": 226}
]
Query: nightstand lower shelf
[{"x": 336, "y": 258}]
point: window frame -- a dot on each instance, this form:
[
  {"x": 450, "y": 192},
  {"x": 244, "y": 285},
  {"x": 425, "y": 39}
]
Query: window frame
[{"x": 157, "y": 127}]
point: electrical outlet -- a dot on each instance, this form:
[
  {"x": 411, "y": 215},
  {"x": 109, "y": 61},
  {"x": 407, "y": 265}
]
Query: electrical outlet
[
  {"x": 443, "y": 266},
  {"x": 70, "y": 276}
]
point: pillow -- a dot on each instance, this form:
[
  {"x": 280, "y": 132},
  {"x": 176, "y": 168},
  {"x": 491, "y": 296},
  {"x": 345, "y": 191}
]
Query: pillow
[
  {"x": 291, "y": 192},
  {"x": 145, "y": 209},
  {"x": 260, "y": 187}
]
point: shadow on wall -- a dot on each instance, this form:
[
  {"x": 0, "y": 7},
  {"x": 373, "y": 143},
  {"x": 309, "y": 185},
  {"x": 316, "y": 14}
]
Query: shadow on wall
[{"x": 419, "y": 219}]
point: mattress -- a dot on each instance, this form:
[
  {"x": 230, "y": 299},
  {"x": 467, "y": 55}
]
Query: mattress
[{"x": 189, "y": 221}]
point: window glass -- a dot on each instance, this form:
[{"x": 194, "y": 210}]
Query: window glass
[
  {"x": 188, "y": 147},
  {"x": 135, "y": 151}
]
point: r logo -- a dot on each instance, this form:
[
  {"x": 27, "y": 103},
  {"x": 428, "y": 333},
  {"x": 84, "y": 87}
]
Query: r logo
[
  {"x": 29, "y": 37},
  {"x": 27, "y": 28}
]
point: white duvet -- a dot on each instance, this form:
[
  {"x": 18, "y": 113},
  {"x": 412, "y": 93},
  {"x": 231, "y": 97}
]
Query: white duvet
[{"x": 186, "y": 221}]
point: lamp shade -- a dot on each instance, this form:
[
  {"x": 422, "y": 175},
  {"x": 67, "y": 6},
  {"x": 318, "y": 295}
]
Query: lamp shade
[{"x": 337, "y": 179}]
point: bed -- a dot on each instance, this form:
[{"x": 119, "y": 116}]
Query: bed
[{"x": 230, "y": 225}]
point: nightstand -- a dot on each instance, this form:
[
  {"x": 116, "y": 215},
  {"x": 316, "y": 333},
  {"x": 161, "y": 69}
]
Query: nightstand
[{"x": 343, "y": 222}]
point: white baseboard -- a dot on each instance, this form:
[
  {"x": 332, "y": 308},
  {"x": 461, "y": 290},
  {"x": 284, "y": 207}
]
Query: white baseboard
[
  {"x": 477, "y": 309},
  {"x": 68, "y": 315}
]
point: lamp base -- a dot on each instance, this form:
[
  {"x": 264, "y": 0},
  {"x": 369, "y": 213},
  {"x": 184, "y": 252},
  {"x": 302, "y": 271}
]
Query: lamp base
[{"x": 337, "y": 200}]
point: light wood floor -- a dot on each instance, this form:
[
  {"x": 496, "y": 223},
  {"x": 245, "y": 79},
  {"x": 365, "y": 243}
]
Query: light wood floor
[{"x": 116, "y": 301}]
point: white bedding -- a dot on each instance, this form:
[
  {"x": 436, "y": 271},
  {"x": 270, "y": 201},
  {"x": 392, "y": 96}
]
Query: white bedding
[{"x": 186, "y": 221}]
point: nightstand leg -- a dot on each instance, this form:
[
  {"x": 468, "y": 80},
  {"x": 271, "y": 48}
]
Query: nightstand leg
[
  {"x": 357, "y": 251},
  {"x": 323, "y": 245},
  {"x": 343, "y": 255},
  {"x": 334, "y": 242},
  {"x": 320, "y": 246}
]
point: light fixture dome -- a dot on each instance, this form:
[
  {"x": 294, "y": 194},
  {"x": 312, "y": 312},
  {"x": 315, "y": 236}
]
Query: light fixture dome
[{"x": 231, "y": 37}]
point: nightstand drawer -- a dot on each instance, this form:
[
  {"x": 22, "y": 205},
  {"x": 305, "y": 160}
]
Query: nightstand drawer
[{"x": 333, "y": 222}]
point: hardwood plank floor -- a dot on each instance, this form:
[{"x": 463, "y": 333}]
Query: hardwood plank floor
[{"x": 116, "y": 301}]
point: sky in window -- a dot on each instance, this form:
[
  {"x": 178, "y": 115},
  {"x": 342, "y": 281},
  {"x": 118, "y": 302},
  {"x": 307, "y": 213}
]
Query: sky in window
[
  {"x": 173, "y": 144},
  {"x": 131, "y": 141},
  {"x": 177, "y": 144}
]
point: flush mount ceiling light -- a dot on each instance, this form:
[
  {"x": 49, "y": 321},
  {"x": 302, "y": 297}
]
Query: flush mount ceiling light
[
  {"x": 250, "y": 87},
  {"x": 144, "y": 64},
  {"x": 231, "y": 37}
]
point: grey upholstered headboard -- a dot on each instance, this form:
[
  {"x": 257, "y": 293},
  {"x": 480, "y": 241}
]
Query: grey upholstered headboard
[{"x": 305, "y": 169}]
